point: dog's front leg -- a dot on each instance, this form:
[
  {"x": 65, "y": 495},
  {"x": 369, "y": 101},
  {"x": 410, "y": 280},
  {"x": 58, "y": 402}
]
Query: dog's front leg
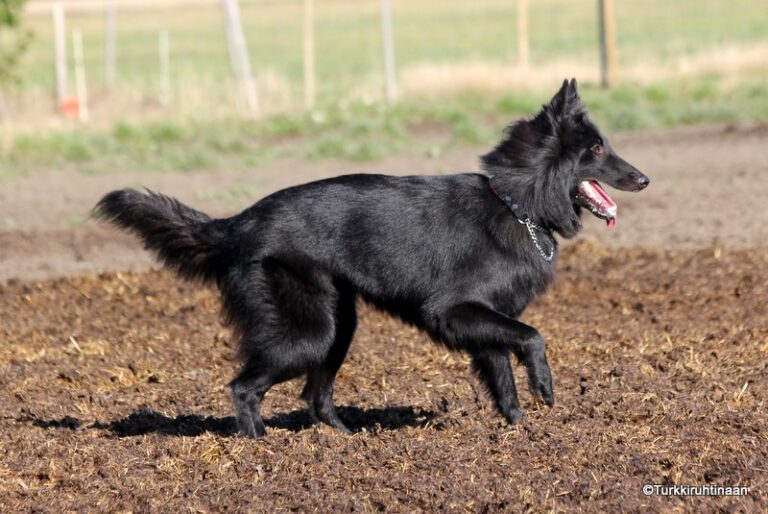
[
  {"x": 489, "y": 336},
  {"x": 492, "y": 365}
]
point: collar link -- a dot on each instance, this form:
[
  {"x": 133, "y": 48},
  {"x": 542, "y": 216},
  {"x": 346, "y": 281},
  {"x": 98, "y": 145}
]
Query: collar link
[{"x": 523, "y": 219}]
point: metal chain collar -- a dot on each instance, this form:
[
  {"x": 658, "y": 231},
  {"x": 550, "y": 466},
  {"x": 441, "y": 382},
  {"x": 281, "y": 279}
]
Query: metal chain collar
[{"x": 532, "y": 228}]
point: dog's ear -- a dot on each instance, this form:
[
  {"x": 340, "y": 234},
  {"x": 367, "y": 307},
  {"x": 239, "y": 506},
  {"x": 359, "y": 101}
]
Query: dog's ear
[
  {"x": 558, "y": 101},
  {"x": 572, "y": 88},
  {"x": 567, "y": 100}
]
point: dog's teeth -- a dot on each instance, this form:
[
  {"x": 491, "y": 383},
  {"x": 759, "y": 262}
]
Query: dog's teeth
[{"x": 597, "y": 200}]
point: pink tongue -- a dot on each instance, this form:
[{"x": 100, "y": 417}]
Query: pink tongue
[{"x": 600, "y": 200}]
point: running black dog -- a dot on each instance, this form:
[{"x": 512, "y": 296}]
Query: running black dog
[{"x": 459, "y": 256}]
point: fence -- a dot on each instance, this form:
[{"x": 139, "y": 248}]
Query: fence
[{"x": 145, "y": 58}]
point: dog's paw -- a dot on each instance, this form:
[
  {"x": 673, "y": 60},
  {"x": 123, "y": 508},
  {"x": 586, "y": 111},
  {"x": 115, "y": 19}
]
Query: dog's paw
[
  {"x": 246, "y": 427},
  {"x": 250, "y": 433},
  {"x": 541, "y": 388},
  {"x": 515, "y": 416}
]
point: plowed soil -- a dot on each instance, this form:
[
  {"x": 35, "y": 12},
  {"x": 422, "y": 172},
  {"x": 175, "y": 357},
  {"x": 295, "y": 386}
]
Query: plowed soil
[{"x": 115, "y": 399}]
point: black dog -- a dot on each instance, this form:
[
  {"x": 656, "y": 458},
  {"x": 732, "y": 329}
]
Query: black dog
[{"x": 459, "y": 256}]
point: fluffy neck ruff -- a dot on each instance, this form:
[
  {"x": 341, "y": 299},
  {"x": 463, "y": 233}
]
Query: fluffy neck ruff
[{"x": 531, "y": 165}]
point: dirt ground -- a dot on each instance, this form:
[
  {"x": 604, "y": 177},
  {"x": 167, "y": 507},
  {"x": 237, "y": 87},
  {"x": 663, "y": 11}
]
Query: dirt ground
[
  {"x": 708, "y": 186},
  {"x": 114, "y": 375}
]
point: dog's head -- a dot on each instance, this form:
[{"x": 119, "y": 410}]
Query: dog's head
[{"x": 554, "y": 163}]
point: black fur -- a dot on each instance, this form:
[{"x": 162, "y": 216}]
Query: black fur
[
  {"x": 184, "y": 239},
  {"x": 441, "y": 252}
]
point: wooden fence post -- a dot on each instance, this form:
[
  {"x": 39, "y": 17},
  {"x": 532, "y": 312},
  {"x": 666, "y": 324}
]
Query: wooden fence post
[
  {"x": 309, "y": 53},
  {"x": 608, "y": 55},
  {"x": 522, "y": 33},
  {"x": 389, "y": 50},
  {"x": 109, "y": 45},
  {"x": 238, "y": 54},
  {"x": 5, "y": 127},
  {"x": 60, "y": 49},
  {"x": 80, "y": 83},
  {"x": 164, "y": 52}
]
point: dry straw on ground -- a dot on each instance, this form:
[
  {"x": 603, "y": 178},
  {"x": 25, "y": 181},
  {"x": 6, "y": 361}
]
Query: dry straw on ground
[{"x": 116, "y": 399}]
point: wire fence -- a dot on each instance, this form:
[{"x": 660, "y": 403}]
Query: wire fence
[{"x": 142, "y": 58}]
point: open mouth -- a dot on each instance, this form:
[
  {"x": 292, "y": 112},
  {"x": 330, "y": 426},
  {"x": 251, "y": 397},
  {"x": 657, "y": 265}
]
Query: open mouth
[{"x": 592, "y": 196}]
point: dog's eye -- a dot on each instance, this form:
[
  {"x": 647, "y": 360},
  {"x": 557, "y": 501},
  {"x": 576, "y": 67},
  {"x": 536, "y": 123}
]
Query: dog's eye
[{"x": 597, "y": 149}]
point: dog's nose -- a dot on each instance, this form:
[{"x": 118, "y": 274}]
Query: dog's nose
[{"x": 643, "y": 181}]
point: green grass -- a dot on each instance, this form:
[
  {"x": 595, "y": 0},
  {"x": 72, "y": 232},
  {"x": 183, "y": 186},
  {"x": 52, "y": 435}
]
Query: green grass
[
  {"x": 200, "y": 130},
  {"x": 365, "y": 131},
  {"x": 348, "y": 42}
]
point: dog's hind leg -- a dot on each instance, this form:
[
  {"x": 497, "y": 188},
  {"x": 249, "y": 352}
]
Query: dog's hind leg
[
  {"x": 489, "y": 336},
  {"x": 248, "y": 390},
  {"x": 318, "y": 392},
  {"x": 289, "y": 328},
  {"x": 270, "y": 366}
]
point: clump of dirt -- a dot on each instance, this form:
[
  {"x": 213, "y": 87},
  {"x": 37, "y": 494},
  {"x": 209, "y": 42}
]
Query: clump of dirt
[{"x": 115, "y": 398}]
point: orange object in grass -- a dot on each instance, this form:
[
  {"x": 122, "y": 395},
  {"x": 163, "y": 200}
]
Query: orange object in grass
[{"x": 70, "y": 107}]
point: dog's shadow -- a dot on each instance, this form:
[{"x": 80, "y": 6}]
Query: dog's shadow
[{"x": 147, "y": 421}]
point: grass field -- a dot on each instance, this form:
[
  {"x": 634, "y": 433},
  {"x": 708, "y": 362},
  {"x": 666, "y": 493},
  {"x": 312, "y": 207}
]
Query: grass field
[
  {"x": 682, "y": 62},
  {"x": 349, "y": 60},
  {"x": 361, "y": 132}
]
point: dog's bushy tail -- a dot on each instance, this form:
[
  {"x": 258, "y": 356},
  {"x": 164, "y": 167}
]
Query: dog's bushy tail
[{"x": 185, "y": 240}]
